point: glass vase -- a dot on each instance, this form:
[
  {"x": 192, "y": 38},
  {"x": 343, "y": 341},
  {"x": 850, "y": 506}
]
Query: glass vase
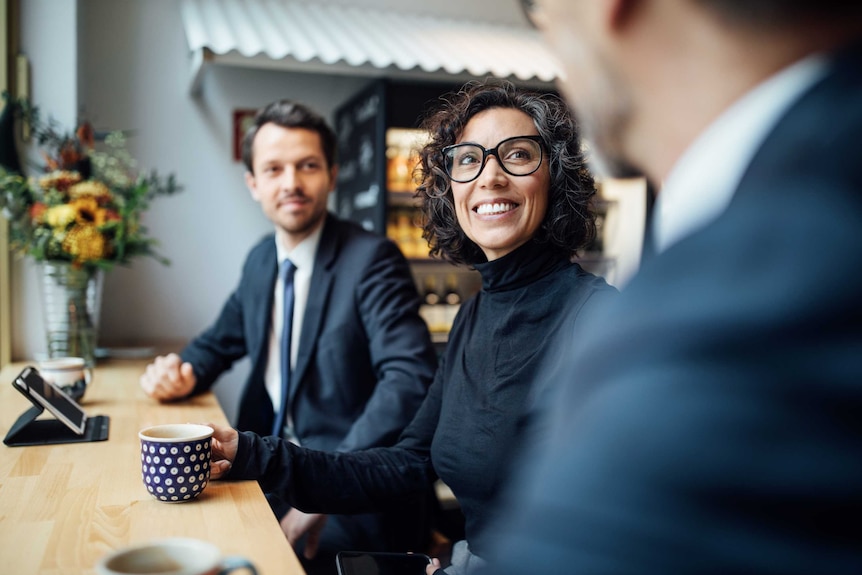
[{"x": 71, "y": 300}]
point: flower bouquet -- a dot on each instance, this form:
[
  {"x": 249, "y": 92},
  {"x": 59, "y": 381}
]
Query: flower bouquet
[{"x": 81, "y": 215}]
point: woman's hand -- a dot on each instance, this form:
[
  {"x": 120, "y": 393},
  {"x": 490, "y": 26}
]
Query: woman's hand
[
  {"x": 433, "y": 567},
  {"x": 225, "y": 443}
]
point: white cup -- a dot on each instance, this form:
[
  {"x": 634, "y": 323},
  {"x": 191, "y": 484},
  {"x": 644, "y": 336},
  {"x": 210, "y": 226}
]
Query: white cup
[
  {"x": 69, "y": 373},
  {"x": 175, "y": 556}
]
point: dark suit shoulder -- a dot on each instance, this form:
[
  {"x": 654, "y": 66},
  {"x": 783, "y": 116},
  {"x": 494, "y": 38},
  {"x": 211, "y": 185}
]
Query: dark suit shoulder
[
  {"x": 344, "y": 238},
  {"x": 263, "y": 250}
]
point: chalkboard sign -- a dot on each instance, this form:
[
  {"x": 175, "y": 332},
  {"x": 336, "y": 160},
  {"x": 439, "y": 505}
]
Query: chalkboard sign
[{"x": 361, "y": 128}]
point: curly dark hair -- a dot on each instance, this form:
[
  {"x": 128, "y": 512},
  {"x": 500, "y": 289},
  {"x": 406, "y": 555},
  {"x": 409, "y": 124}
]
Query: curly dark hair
[{"x": 569, "y": 223}]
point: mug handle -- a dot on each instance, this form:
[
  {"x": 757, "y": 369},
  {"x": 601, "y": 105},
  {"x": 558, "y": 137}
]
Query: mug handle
[
  {"x": 88, "y": 375},
  {"x": 234, "y": 562}
]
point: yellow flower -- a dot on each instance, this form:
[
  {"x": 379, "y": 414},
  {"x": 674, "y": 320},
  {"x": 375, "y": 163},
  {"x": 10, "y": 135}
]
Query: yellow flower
[
  {"x": 60, "y": 180},
  {"x": 58, "y": 217},
  {"x": 84, "y": 243},
  {"x": 90, "y": 189},
  {"x": 88, "y": 211}
]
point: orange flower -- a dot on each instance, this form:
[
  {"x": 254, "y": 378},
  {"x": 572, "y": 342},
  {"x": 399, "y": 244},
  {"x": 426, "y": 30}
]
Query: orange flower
[
  {"x": 86, "y": 135},
  {"x": 37, "y": 210},
  {"x": 50, "y": 162},
  {"x": 85, "y": 243},
  {"x": 70, "y": 155}
]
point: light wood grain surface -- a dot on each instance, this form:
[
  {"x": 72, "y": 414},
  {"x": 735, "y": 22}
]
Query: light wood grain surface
[{"x": 64, "y": 506}]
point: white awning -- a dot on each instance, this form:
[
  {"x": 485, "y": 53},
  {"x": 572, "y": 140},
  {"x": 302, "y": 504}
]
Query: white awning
[{"x": 341, "y": 39}]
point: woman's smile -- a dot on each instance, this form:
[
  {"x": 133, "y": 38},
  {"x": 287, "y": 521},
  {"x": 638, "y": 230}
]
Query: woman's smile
[{"x": 495, "y": 208}]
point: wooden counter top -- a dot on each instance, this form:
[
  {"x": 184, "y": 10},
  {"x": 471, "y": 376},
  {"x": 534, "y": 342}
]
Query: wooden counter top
[{"x": 64, "y": 506}]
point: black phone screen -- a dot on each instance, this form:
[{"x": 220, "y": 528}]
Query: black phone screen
[
  {"x": 358, "y": 563},
  {"x": 51, "y": 397}
]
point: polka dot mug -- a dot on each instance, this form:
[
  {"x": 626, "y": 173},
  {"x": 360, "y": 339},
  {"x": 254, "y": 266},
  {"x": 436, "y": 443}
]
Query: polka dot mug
[{"x": 175, "y": 460}]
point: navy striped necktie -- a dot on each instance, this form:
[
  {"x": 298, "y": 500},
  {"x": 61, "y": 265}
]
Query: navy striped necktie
[{"x": 287, "y": 271}]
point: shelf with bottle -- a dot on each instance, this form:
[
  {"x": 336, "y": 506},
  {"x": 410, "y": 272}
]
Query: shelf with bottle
[
  {"x": 402, "y": 158},
  {"x": 621, "y": 216},
  {"x": 403, "y": 218},
  {"x": 442, "y": 292},
  {"x": 404, "y": 228}
]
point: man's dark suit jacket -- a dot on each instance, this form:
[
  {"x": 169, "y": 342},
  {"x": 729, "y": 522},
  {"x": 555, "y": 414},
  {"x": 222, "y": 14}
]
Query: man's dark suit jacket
[
  {"x": 365, "y": 357},
  {"x": 714, "y": 422}
]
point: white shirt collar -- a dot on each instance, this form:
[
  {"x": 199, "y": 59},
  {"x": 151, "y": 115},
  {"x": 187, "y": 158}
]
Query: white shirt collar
[
  {"x": 303, "y": 254},
  {"x": 704, "y": 179}
]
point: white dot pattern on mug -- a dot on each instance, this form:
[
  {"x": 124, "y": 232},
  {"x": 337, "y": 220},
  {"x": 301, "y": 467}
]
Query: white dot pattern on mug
[{"x": 178, "y": 472}]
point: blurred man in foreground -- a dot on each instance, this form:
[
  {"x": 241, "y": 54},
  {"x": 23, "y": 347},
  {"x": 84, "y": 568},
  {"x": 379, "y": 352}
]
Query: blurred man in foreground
[{"x": 717, "y": 423}]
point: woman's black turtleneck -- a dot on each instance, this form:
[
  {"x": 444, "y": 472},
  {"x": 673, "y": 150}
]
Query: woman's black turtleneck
[{"x": 500, "y": 343}]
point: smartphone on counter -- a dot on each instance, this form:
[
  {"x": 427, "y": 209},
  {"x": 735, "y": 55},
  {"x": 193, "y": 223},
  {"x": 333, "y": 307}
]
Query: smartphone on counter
[{"x": 368, "y": 563}]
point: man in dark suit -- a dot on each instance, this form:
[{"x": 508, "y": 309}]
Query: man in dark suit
[
  {"x": 360, "y": 356},
  {"x": 713, "y": 422}
]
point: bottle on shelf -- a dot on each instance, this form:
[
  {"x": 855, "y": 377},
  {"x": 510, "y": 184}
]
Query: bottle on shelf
[
  {"x": 451, "y": 300},
  {"x": 403, "y": 227},
  {"x": 431, "y": 308},
  {"x": 398, "y": 170},
  {"x": 399, "y": 229}
]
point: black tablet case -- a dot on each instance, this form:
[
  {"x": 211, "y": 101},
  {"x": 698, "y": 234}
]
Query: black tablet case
[{"x": 27, "y": 430}]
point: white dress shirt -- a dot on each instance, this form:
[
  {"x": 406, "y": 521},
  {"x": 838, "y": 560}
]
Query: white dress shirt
[
  {"x": 302, "y": 256},
  {"x": 702, "y": 182}
]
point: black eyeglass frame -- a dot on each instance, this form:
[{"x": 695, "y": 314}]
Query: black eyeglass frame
[{"x": 493, "y": 152}]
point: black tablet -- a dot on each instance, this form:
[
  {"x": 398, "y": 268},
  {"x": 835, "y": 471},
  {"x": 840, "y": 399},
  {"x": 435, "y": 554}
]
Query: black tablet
[
  {"x": 49, "y": 396},
  {"x": 362, "y": 563}
]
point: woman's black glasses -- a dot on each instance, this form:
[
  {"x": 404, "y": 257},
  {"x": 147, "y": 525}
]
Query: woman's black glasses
[{"x": 518, "y": 156}]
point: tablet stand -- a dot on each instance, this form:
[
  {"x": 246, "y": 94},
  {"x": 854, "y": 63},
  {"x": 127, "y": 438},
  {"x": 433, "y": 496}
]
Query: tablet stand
[{"x": 28, "y": 431}]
